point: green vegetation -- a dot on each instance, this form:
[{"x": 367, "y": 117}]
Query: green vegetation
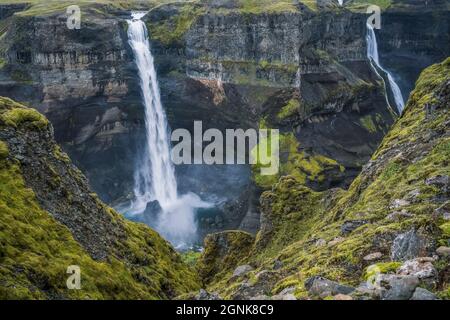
[
  {"x": 368, "y": 124},
  {"x": 172, "y": 30},
  {"x": 16, "y": 117},
  {"x": 4, "y": 151},
  {"x": 290, "y": 109},
  {"x": 363, "y": 4},
  {"x": 42, "y": 8},
  {"x": 36, "y": 249},
  {"x": 191, "y": 257},
  {"x": 302, "y": 228},
  {"x": 382, "y": 267},
  {"x": 268, "y": 6},
  {"x": 298, "y": 164},
  {"x": 215, "y": 262}
]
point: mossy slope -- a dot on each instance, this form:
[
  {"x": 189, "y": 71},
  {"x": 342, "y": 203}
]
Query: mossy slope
[
  {"x": 398, "y": 190},
  {"x": 118, "y": 259}
]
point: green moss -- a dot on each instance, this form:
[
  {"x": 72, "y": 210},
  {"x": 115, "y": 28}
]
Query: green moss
[
  {"x": 363, "y": 4},
  {"x": 289, "y": 109},
  {"x": 60, "y": 155},
  {"x": 191, "y": 257},
  {"x": 173, "y": 29},
  {"x": 369, "y": 124},
  {"x": 222, "y": 253},
  {"x": 382, "y": 267},
  {"x": 303, "y": 167},
  {"x": 295, "y": 217},
  {"x": 445, "y": 229},
  {"x": 14, "y": 114},
  {"x": 266, "y": 6},
  {"x": 4, "y": 151},
  {"x": 36, "y": 249}
]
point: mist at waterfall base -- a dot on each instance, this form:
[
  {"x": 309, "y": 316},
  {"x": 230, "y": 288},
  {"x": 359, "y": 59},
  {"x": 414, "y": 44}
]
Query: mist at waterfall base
[
  {"x": 156, "y": 186},
  {"x": 372, "y": 54}
]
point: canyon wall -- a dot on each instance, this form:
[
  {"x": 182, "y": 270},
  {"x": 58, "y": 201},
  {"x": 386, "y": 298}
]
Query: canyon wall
[{"x": 298, "y": 68}]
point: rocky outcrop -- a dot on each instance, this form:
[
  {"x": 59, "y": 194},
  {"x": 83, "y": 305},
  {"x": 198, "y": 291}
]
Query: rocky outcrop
[
  {"x": 223, "y": 251},
  {"x": 51, "y": 219}
]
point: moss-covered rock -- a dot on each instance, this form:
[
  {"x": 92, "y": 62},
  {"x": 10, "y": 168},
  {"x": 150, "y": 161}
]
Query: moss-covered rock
[
  {"x": 50, "y": 219},
  {"x": 222, "y": 253}
]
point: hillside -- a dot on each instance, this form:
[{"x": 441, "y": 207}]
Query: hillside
[
  {"x": 391, "y": 226},
  {"x": 50, "y": 219}
]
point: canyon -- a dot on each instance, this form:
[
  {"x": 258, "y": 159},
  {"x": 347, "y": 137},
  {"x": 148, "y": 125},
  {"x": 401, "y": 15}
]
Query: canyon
[
  {"x": 300, "y": 69},
  {"x": 305, "y": 68}
]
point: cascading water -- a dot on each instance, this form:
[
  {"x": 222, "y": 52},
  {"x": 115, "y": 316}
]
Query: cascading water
[
  {"x": 155, "y": 174},
  {"x": 372, "y": 54},
  {"x": 341, "y": 2}
]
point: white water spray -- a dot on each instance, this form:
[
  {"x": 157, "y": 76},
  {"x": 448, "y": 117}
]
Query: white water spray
[
  {"x": 372, "y": 54},
  {"x": 155, "y": 174},
  {"x": 341, "y": 2}
]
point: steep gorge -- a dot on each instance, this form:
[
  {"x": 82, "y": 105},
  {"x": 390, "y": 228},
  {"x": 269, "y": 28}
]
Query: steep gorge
[{"x": 296, "y": 67}]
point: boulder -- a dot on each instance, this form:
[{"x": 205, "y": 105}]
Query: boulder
[
  {"x": 242, "y": 270},
  {"x": 285, "y": 294},
  {"x": 399, "y": 215},
  {"x": 335, "y": 241},
  {"x": 440, "y": 181},
  {"x": 260, "y": 297},
  {"x": 396, "y": 287},
  {"x": 398, "y": 203},
  {"x": 320, "y": 243},
  {"x": 351, "y": 225},
  {"x": 409, "y": 245},
  {"x": 443, "y": 211},
  {"x": 342, "y": 297},
  {"x": 318, "y": 286},
  {"x": 373, "y": 256},
  {"x": 277, "y": 265},
  {"x": 443, "y": 251},
  {"x": 421, "y": 268},
  {"x": 423, "y": 294},
  {"x": 205, "y": 295}
]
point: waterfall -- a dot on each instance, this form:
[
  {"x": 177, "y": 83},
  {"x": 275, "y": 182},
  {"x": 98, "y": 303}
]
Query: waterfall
[
  {"x": 155, "y": 174},
  {"x": 372, "y": 54},
  {"x": 341, "y": 2}
]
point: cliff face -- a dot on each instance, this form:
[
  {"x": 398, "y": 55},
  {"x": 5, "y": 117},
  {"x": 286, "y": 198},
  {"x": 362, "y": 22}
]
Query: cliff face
[
  {"x": 50, "y": 219},
  {"x": 414, "y": 35},
  {"x": 83, "y": 81},
  {"x": 232, "y": 64},
  {"x": 384, "y": 238}
]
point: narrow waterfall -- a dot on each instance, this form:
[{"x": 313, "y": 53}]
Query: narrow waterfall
[
  {"x": 155, "y": 174},
  {"x": 372, "y": 54},
  {"x": 341, "y": 2}
]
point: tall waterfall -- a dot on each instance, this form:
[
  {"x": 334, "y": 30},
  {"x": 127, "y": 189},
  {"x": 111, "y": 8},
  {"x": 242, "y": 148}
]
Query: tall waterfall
[
  {"x": 155, "y": 175},
  {"x": 372, "y": 54}
]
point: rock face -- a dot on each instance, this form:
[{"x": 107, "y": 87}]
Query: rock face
[
  {"x": 409, "y": 245},
  {"x": 408, "y": 41},
  {"x": 51, "y": 220}
]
